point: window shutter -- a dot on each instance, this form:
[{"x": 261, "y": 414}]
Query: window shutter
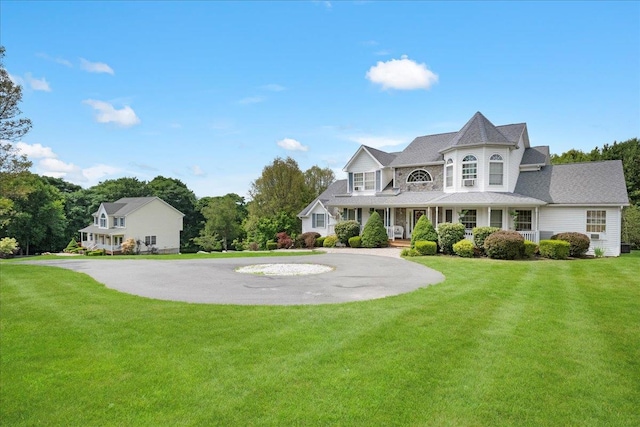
[
  {"x": 378, "y": 184},
  {"x": 350, "y": 188},
  {"x": 313, "y": 220},
  {"x": 359, "y": 215}
]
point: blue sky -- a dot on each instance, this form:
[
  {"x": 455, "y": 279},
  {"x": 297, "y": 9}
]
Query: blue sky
[{"x": 211, "y": 92}]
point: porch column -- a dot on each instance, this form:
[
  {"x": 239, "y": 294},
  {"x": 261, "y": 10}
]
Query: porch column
[
  {"x": 489, "y": 216},
  {"x": 436, "y": 221}
]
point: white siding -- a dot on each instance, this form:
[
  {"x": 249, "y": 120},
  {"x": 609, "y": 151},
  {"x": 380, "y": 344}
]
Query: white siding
[
  {"x": 512, "y": 169},
  {"x": 363, "y": 163},
  {"x": 387, "y": 176},
  {"x": 564, "y": 219},
  {"x": 488, "y": 152},
  {"x": 156, "y": 219},
  {"x": 330, "y": 222}
]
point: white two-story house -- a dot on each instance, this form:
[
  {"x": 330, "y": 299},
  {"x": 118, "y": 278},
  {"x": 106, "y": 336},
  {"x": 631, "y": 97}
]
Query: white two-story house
[
  {"x": 153, "y": 223},
  {"x": 481, "y": 175}
]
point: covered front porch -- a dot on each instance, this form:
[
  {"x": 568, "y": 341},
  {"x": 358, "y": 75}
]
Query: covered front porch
[{"x": 95, "y": 238}]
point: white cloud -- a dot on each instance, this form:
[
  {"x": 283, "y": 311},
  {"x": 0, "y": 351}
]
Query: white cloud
[
  {"x": 402, "y": 74},
  {"x": 106, "y": 113},
  {"x": 197, "y": 171},
  {"x": 95, "y": 67},
  {"x": 37, "y": 84},
  {"x": 35, "y": 151},
  {"x": 95, "y": 173},
  {"x": 273, "y": 87},
  {"x": 377, "y": 141},
  {"x": 292, "y": 145},
  {"x": 58, "y": 60},
  {"x": 252, "y": 100}
]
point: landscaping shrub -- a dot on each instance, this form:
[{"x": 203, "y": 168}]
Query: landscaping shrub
[
  {"x": 448, "y": 234},
  {"x": 128, "y": 246},
  {"x": 355, "y": 241},
  {"x": 374, "y": 235},
  {"x": 72, "y": 247},
  {"x": 330, "y": 241},
  {"x": 320, "y": 242},
  {"x": 97, "y": 252},
  {"x": 504, "y": 244},
  {"x": 480, "y": 234},
  {"x": 8, "y": 247},
  {"x": 409, "y": 252},
  {"x": 464, "y": 248},
  {"x": 530, "y": 249},
  {"x": 346, "y": 230},
  {"x": 425, "y": 247},
  {"x": 578, "y": 242},
  {"x": 284, "y": 241},
  {"x": 271, "y": 245},
  {"x": 555, "y": 249},
  {"x": 307, "y": 240},
  {"x": 423, "y": 231}
]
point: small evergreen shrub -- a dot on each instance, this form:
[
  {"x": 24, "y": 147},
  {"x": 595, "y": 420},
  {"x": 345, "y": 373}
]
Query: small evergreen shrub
[
  {"x": 72, "y": 247},
  {"x": 284, "y": 241},
  {"x": 409, "y": 252},
  {"x": 504, "y": 244},
  {"x": 480, "y": 234},
  {"x": 330, "y": 241},
  {"x": 8, "y": 247},
  {"x": 355, "y": 241},
  {"x": 423, "y": 231},
  {"x": 578, "y": 242},
  {"x": 425, "y": 247},
  {"x": 448, "y": 234},
  {"x": 346, "y": 230},
  {"x": 97, "y": 252},
  {"x": 530, "y": 249},
  {"x": 555, "y": 249},
  {"x": 271, "y": 245},
  {"x": 374, "y": 234},
  {"x": 307, "y": 240},
  {"x": 320, "y": 242},
  {"x": 464, "y": 248}
]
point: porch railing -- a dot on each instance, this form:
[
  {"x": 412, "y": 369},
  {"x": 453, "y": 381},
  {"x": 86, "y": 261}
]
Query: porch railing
[{"x": 533, "y": 235}]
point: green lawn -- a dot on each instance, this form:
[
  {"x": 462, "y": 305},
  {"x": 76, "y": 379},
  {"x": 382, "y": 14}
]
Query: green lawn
[{"x": 540, "y": 343}]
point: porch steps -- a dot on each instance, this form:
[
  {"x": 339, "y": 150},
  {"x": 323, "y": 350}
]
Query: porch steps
[{"x": 400, "y": 243}]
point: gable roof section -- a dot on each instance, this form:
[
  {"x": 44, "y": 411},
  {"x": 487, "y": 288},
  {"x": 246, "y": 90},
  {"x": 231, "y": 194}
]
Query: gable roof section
[
  {"x": 126, "y": 205},
  {"x": 336, "y": 187},
  {"x": 381, "y": 157},
  {"x": 112, "y": 208},
  {"x": 536, "y": 156},
  {"x": 591, "y": 183}
]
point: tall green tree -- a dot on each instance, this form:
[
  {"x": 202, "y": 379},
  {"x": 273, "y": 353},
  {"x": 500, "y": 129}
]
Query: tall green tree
[
  {"x": 12, "y": 126},
  {"x": 317, "y": 180},
  {"x": 177, "y": 194},
  {"x": 222, "y": 222},
  {"x": 280, "y": 188},
  {"x": 114, "y": 189}
]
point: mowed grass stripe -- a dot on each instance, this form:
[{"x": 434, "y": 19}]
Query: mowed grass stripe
[{"x": 498, "y": 343}]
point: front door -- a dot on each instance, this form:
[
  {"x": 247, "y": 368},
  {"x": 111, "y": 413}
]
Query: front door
[{"x": 417, "y": 213}]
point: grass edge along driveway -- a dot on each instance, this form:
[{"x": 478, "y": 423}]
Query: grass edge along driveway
[{"x": 498, "y": 343}]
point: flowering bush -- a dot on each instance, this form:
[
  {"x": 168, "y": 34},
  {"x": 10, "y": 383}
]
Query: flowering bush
[
  {"x": 128, "y": 246},
  {"x": 284, "y": 241},
  {"x": 8, "y": 247}
]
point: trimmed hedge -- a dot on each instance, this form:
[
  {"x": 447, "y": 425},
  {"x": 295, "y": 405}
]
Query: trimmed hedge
[
  {"x": 346, "y": 230},
  {"x": 320, "y": 241},
  {"x": 355, "y": 241},
  {"x": 555, "y": 249},
  {"x": 271, "y": 245},
  {"x": 530, "y": 249},
  {"x": 579, "y": 243},
  {"x": 374, "y": 234},
  {"x": 330, "y": 241},
  {"x": 480, "y": 234},
  {"x": 426, "y": 247},
  {"x": 448, "y": 235},
  {"x": 409, "y": 252},
  {"x": 463, "y": 248},
  {"x": 423, "y": 231},
  {"x": 504, "y": 244}
]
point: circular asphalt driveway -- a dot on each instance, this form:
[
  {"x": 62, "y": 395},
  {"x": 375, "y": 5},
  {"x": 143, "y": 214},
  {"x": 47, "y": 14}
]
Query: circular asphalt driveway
[{"x": 354, "y": 278}]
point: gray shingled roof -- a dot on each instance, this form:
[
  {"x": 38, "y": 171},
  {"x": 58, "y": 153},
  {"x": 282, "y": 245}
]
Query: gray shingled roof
[
  {"x": 479, "y": 130},
  {"x": 97, "y": 230},
  {"x": 536, "y": 156},
  {"x": 336, "y": 187},
  {"x": 589, "y": 183},
  {"x": 112, "y": 208},
  {"x": 127, "y": 205},
  {"x": 381, "y": 156}
]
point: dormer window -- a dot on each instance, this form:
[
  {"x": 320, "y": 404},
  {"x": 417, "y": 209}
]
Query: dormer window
[
  {"x": 419, "y": 175},
  {"x": 496, "y": 170},
  {"x": 448, "y": 173},
  {"x": 364, "y": 181},
  {"x": 103, "y": 220},
  {"x": 469, "y": 170}
]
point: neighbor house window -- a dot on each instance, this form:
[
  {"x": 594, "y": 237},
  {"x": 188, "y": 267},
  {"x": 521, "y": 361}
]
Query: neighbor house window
[
  {"x": 523, "y": 220},
  {"x": 448, "y": 172},
  {"x": 419, "y": 175},
  {"x": 448, "y": 215},
  {"x": 496, "y": 167},
  {"x": 318, "y": 220},
  {"x": 596, "y": 221},
  {"x": 496, "y": 218},
  {"x": 149, "y": 240},
  {"x": 469, "y": 219},
  {"x": 121, "y": 221},
  {"x": 95, "y": 220},
  {"x": 469, "y": 167},
  {"x": 103, "y": 221},
  {"x": 364, "y": 181}
]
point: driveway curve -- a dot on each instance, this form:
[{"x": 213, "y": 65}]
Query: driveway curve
[{"x": 354, "y": 277}]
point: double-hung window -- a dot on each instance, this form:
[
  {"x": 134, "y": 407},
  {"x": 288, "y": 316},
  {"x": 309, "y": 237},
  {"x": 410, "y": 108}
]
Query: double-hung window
[
  {"x": 318, "y": 220},
  {"x": 496, "y": 168},
  {"x": 523, "y": 220},
  {"x": 448, "y": 173},
  {"x": 469, "y": 170},
  {"x": 149, "y": 240},
  {"x": 596, "y": 221},
  {"x": 469, "y": 219},
  {"x": 103, "y": 221},
  {"x": 364, "y": 181}
]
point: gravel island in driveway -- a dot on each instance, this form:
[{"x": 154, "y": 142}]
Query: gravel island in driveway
[{"x": 353, "y": 277}]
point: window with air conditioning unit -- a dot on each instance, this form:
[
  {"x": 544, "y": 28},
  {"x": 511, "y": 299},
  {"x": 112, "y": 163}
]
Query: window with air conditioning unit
[
  {"x": 468, "y": 182},
  {"x": 595, "y": 236}
]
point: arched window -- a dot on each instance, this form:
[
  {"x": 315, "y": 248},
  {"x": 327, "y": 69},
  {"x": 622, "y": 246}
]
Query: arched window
[
  {"x": 419, "y": 175},
  {"x": 448, "y": 173},
  {"x": 496, "y": 170},
  {"x": 103, "y": 220},
  {"x": 469, "y": 169}
]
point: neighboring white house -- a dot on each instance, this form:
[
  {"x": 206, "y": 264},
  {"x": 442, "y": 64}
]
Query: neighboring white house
[
  {"x": 150, "y": 221},
  {"x": 481, "y": 175}
]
